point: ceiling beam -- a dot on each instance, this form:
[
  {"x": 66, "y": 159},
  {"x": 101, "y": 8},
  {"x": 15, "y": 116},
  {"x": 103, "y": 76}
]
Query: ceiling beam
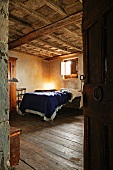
[
  {"x": 76, "y": 4},
  {"x": 55, "y": 45},
  {"x": 27, "y": 53},
  {"x": 19, "y": 21},
  {"x": 78, "y": 23},
  {"x": 14, "y": 31},
  {"x": 74, "y": 35},
  {"x": 44, "y": 48},
  {"x": 52, "y": 58},
  {"x": 49, "y": 3},
  {"x": 29, "y": 48},
  {"x": 45, "y": 30},
  {"x": 63, "y": 13},
  {"x": 64, "y": 42},
  {"x": 15, "y": 19},
  {"x": 55, "y": 8},
  {"x": 72, "y": 55},
  {"x": 80, "y": 1},
  {"x": 29, "y": 11},
  {"x": 63, "y": 56}
]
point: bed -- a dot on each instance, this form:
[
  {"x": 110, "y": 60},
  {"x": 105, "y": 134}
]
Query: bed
[{"x": 45, "y": 103}]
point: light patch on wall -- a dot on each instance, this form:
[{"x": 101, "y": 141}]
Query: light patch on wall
[
  {"x": 49, "y": 86},
  {"x": 66, "y": 68},
  {"x": 69, "y": 68}
]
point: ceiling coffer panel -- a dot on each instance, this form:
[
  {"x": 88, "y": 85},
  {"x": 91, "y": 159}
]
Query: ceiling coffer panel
[{"x": 46, "y": 28}]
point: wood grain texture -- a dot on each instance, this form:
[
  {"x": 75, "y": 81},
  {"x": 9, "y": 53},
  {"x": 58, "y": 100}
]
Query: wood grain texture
[
  {"x": 55, "y": 145},
  {"x": 98, "y": 86},
  {"x": 12, "y": 85},
  {"x": 34, "y": 24}
]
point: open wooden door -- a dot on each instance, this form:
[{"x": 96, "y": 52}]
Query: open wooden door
[{"x": 98, "y": 88}]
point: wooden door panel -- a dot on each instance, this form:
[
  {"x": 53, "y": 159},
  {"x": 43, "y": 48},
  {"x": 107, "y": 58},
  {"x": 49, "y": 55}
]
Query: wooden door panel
[
  {"x": 98, "y": 87},
  {"x": 98, "y": 146},
  {"x": 109, "y": 50},
  {"x": 94, "y": 9},
  {"x": 94, "y": 50},
  {"x": 96, "y": 156},
  {"x": 93, "y": 148},
  {"x": 103, "y": 109},
  {"x": 110, "y": 147}
]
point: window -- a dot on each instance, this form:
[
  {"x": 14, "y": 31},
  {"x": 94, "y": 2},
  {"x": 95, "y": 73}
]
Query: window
[{"x": 69, "y": 68}]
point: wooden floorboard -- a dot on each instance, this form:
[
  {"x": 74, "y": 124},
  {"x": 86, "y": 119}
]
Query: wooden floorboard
[{"x": 55, "y": 145}]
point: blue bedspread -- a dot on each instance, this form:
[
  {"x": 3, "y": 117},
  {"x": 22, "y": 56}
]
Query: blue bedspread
[{"x": 44, "y": 102}]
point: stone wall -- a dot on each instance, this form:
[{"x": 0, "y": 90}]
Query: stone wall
[{"x": 4, "y": 112}]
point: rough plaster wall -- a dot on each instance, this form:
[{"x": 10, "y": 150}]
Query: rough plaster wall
[
  {"x": 4, "y": 112},
  {"x": 76, "y": 83},
  {"x": 32, "y": 72},
  {"x": 46, "y": 71},
  {"x": 55, "y": 74}
]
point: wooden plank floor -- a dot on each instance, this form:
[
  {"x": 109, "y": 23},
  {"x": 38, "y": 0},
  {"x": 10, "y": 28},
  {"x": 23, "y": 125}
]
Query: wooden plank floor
[{"x": 55, "y": 145}]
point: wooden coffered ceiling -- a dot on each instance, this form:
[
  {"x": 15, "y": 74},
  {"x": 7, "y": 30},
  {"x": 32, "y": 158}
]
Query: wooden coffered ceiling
[{"x": 45, "y": 28}]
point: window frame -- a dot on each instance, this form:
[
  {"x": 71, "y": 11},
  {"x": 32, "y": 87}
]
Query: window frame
[{"x": 74, "y": 70}]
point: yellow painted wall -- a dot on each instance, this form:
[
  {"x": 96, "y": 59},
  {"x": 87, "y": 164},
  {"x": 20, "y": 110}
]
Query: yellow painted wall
[
  {"x": 55, "y": 74},
  {"x": 31, "y": 71}
]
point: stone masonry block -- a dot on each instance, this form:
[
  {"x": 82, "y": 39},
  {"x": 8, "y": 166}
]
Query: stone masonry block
[{"x": 4, "y": 145}]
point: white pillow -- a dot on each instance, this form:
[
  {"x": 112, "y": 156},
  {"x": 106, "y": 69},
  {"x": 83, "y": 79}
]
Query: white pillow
[{"x": 74, "y": 92}]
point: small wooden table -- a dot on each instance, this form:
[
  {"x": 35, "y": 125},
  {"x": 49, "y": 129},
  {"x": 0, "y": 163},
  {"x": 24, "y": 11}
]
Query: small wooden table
[{"x": 14, "y": 146}]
